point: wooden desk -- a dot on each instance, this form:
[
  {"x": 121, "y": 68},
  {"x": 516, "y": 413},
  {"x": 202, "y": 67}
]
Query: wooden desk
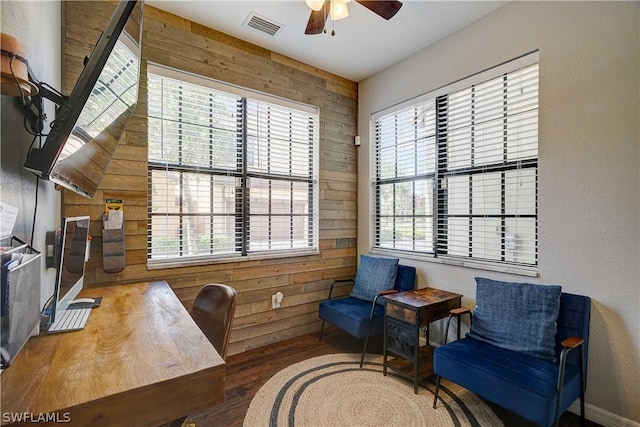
[
  {"x": 405, "y": 313},
  {"x": 140, "y": 361}
]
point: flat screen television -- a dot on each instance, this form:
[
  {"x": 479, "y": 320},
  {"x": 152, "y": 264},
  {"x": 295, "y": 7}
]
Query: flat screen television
[
  {"x": 90, "y": 123},
  {"x": 70, "y": 263}
]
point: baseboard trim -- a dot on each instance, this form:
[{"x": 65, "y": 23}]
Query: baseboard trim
[{"x": 602, "y": 417}]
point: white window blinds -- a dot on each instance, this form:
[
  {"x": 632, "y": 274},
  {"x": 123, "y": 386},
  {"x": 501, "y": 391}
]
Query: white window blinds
[
  {"x": 406, "y": 166},
  {"x": 456, "y": 172},
  {"x": 281, "y": 180},
  {"x": 229, "y": 175}
]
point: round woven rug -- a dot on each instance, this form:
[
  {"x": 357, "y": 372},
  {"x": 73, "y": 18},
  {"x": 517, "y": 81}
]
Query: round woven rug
[{"x": 334, "y": 391}]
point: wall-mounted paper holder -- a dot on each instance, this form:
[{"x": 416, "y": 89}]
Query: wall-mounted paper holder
[{"x": 113, "y": 252}]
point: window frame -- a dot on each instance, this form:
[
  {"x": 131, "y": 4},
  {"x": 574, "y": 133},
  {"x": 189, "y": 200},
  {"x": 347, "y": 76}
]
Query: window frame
[
  {"x": 243, "y": 175},
  {"x": 439, "y": 200}
]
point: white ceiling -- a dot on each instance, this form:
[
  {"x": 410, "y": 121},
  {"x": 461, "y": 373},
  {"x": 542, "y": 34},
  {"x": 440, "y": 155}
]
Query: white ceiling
[{"x": 364, "y": 43}]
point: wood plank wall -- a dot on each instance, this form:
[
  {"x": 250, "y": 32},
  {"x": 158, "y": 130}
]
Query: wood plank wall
[{"x": 173, "y": 41}]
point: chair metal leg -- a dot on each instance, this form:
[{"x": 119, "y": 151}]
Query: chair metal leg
[
  {"x": 560, "y": 384},
  {"x": 366, "y": 339},
  {"x": 446, "y": 330},
  {"x": 435, "y": 394},
  {"x": 364, "y": 350},
  {"x": 558, "y": 396},
  {"x": 582, "y": 386},
  {"x": 321, "y": 330}
]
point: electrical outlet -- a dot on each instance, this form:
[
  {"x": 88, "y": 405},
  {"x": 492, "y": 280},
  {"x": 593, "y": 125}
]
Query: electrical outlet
[
  {"x": 276, "y": 299},
  {"x": 51, "y": 240}
]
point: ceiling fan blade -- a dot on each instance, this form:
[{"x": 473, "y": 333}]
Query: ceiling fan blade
[
  {"x": 386, "y": 9},
  {"x": 317, "y": 19}
]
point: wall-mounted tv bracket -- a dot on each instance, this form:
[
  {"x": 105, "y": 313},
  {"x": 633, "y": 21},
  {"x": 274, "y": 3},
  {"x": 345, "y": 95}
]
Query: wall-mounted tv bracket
[{"x": 33, "y": 106}]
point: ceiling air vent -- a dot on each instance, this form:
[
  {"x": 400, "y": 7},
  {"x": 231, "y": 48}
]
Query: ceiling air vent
[{"x": 262, "y": 24}]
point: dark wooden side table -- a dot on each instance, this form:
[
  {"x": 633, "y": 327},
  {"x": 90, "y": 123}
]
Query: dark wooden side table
[{"x": 405, "y": 314}]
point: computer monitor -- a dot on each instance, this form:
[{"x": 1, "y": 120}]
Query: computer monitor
[{"x": 71, "y": 262}]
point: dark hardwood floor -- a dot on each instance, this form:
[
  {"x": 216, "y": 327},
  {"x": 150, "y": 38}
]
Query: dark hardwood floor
[{"x": 248, "y": 371}]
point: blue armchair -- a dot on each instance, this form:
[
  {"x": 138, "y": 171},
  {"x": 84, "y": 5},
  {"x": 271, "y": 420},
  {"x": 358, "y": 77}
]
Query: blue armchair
[
  {"x": 361, "y": 314},
  {"x": 536, "y": 366}
]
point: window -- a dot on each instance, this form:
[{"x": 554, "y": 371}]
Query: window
[
  {"x": 231, "y": 172},
  {"x": 456, "y": 171}
]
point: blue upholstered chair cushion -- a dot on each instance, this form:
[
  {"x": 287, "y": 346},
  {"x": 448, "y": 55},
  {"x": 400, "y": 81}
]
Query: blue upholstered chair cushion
[
  {"x": 374, "y": 274},
  {"x": 521, "y": 383},
  {"x": 517, "y": 316},
  {"x": 352, "y": 315}
]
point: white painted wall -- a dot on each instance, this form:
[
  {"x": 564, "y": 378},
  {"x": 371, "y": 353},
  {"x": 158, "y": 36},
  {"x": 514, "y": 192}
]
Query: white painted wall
[
  {"x": 589, "y": 157},
  {"x": 37, "y": 24}
]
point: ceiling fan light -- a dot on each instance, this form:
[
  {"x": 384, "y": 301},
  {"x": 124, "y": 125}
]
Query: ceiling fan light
[
  {"x": 315, "y": 5},
  {"x": 339, "y": 9}
]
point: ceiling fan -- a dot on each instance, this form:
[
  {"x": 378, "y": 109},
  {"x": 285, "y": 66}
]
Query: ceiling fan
[{"x": 337, "y": 9}]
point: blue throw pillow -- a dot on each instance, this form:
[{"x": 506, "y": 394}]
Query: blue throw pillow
[
  {"x": 374, "y": 274},
  {"x": 517, "y": 316}
]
